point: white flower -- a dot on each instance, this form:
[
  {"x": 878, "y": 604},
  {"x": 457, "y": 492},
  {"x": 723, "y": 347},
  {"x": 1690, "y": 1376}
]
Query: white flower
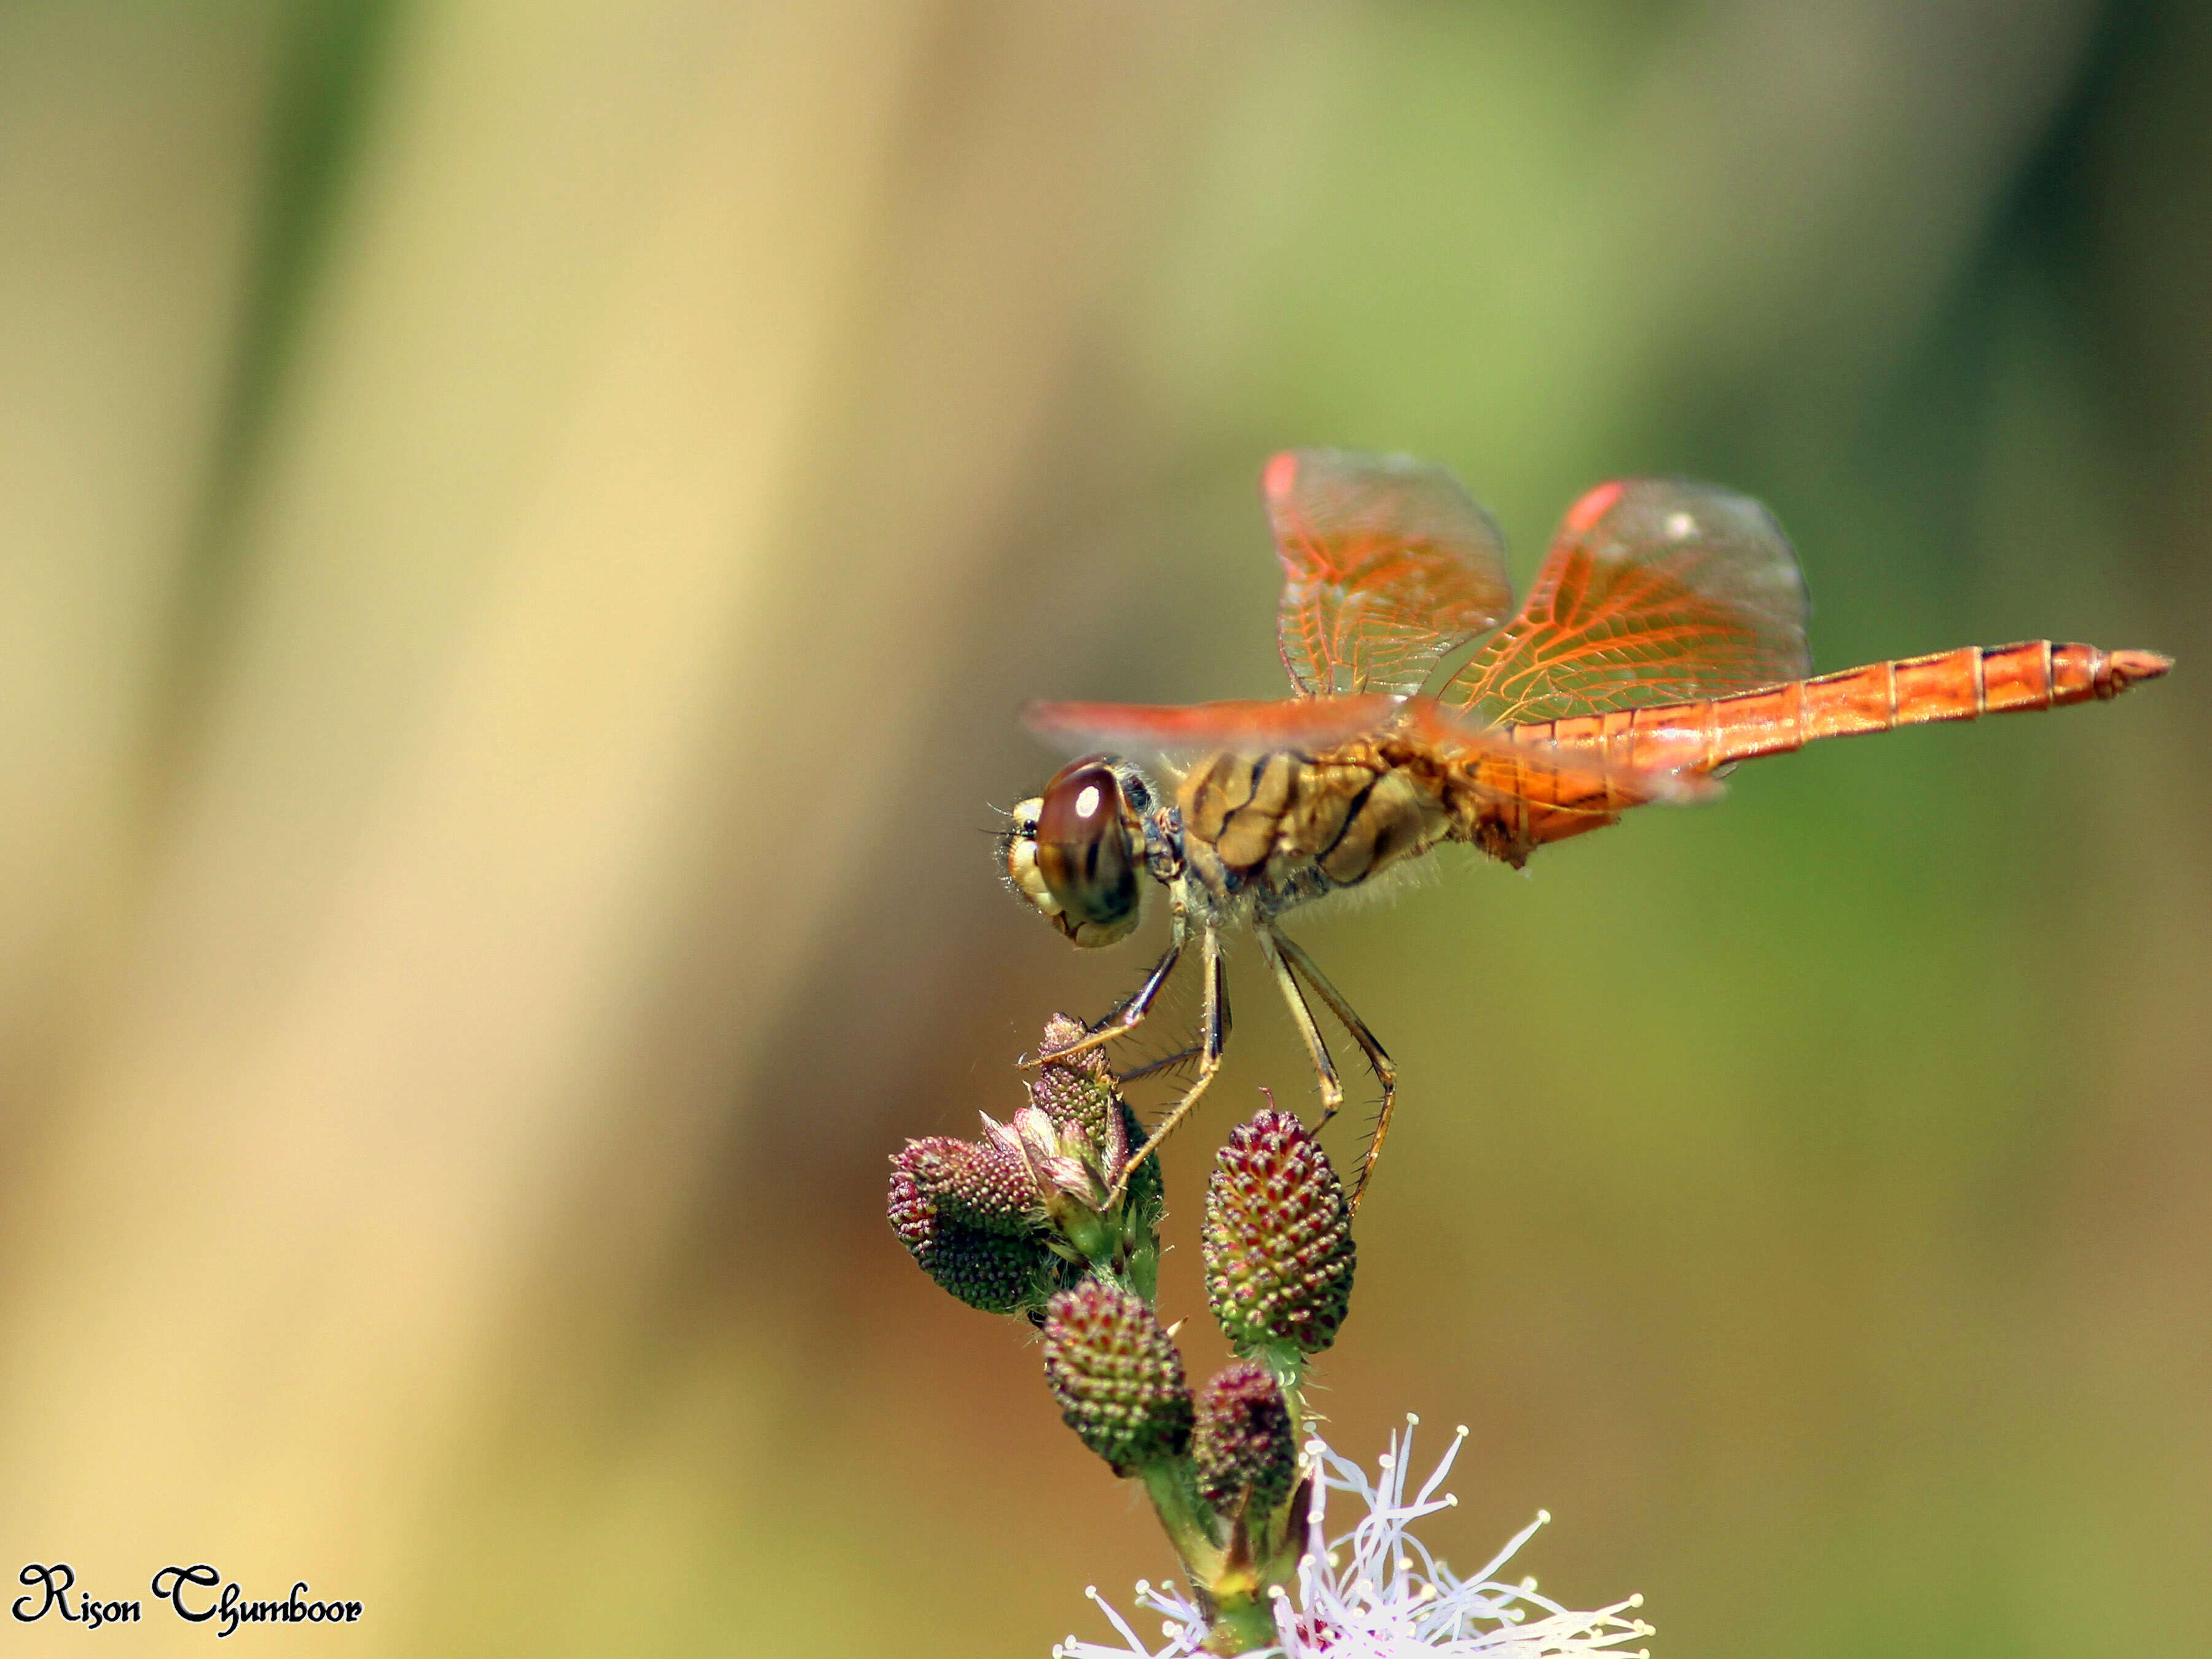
[{"x": 1377, "y": 1592}]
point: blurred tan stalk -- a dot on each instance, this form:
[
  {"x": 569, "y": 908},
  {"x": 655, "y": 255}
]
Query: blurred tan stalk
[
  {"x": 490, "y": 849},
  {"x": 608, "y": 305}
]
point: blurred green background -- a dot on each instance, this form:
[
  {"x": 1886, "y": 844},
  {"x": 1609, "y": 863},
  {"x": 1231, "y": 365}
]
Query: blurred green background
[{"x": 524, "y": 529}]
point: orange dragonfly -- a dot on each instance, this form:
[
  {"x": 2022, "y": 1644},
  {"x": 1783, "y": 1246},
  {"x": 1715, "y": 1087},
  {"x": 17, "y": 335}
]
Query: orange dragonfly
[{"x": 1664, "y": 640}]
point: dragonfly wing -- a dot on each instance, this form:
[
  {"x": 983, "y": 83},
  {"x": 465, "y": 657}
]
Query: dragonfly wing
[
  {"x": 1593, "y": 777},
  {"x": 1656, "y": 590},
  {"x": 1252, "y": 727},
  {"x": 1552, "y": 772},
  {"x": 1387, "y": 565}
]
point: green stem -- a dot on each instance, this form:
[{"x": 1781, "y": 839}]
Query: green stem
[
  {"x": 1287, "y": 1365},
  {"x": 1229, "y": 1590},
  {"x": 1248, "y": 1625},
  {"x": 1172, "y": 1484},
  {"x": 1090, "y": 1235},
  {"x": 1143, "y": 1266}
]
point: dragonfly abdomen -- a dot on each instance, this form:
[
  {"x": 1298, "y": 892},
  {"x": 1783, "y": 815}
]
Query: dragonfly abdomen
[{"x": 1951, "y": 686}]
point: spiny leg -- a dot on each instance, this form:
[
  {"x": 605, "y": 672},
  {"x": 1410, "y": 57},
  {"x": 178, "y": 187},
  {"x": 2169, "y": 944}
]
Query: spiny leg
[
  {"x": 1385, "y": 1073},
  {"x": 1125, "y": 1016},
  {"x": 1214, "y": 1037},
  {"x": 1166, "y": 1062},
  {"x": 1332, "y": 1091}
]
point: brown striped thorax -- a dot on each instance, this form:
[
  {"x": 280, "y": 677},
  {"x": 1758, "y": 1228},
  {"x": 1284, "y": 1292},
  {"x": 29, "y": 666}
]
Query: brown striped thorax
[
  {"x": 1663, "y": 641},
  {"x": 1243, "y": 837}
]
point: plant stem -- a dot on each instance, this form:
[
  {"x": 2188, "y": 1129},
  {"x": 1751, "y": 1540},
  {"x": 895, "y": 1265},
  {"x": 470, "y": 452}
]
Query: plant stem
[
  {"x": 1172, "y": 1484},
  {"x": 1287, "y": 1365}
]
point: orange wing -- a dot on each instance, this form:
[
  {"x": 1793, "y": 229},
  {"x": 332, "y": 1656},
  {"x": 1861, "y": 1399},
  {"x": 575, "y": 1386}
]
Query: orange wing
[
  {"x": 1563, "y": 776},
  {"x": 1656, "y": 590},
  {"x": 1245, "y": 726},
  {"x": 1545, "y": 772},
  {"x": 1387, "y": 565}
]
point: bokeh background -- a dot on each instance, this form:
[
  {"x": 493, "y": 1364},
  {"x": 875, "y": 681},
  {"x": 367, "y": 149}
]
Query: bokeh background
[{"x": 523, "y": 529}]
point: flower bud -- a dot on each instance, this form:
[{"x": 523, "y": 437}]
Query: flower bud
[
  {"x": 979, "y": 1186},
  {"x": 1058, "y": 1163},
  {"x": 998, "y": 1273},
  {"x": 1278, "y": 1238},
  {"x": 1246, "y": 1453},
  {"x": 1117, "y": 1375},
  {"x": 1077, "y": 1090},
  {"x": 1081, "y": 1092}
]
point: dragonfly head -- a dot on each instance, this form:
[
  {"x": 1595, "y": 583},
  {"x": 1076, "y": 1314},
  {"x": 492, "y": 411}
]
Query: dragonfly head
[{"x": 1075, "y": 851}]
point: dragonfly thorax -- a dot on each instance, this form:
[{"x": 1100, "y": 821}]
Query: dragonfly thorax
[
  {"x": 1243, "y": 838},
  {"x": 1265, "y": 833}
]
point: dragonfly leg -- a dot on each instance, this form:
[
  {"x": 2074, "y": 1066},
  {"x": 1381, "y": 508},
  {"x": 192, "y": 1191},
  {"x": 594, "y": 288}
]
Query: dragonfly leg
[
  {"x": 1332, "y": 1091},
  {"x": 1214, "y": 1037},
  {"x": 1386, "y": 1074},
  {"x": 1165, "y": 1063},
  {"x": 1125, "y": 1015}
]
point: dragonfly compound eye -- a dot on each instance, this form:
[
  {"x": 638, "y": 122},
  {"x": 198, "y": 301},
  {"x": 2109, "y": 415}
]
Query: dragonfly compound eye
[{"x": 1085, "y": 856}]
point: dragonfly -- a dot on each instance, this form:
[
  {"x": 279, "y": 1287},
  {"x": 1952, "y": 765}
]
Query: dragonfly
[{"x": 1663, "y": 641}]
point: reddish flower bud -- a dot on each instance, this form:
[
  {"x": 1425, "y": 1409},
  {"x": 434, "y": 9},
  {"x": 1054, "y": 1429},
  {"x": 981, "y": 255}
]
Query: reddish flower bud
[
  {"x": 1243, "y": 1444},
  {"x": 1278, "y": 1238},
  {"x": 1077, "y": 1091},
  {"x": 1117, "y": 1375},
  {"x": 1080, "y": 1092},
  {"x": 998, "y": 1273},
  {"x": 978, "y": 1185}
]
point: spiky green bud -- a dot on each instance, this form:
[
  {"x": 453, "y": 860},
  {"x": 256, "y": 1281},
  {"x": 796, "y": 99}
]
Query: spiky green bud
[
  {"x": 1278, "y": 1238},
  {"x": 1081, "y": 1091},
  {"x": 1117, "y": 1375},
  {"x": 1073, "y": 1089},
  {"x": 998, "y": 1273},
  {"x": 1246, "y": 1453}
]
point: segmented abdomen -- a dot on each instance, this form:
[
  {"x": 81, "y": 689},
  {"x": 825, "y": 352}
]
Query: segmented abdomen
[{"x": 1951, "y": 686}]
